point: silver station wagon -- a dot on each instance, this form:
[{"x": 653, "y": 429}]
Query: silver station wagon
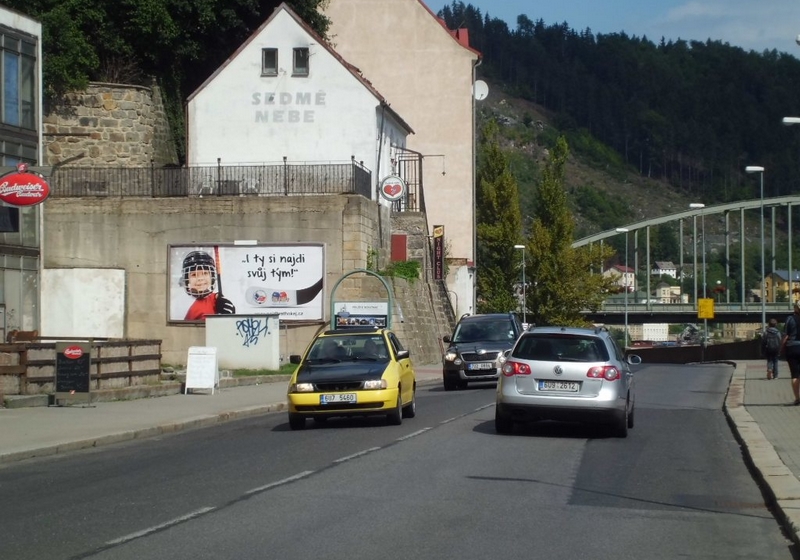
[{"x": 566, "y": 374}]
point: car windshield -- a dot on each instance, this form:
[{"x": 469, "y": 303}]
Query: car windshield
[
  {"x": 340, "y": 348},
  {"x": 561, "y": 348},
  {"x": 485, "y": 331}
]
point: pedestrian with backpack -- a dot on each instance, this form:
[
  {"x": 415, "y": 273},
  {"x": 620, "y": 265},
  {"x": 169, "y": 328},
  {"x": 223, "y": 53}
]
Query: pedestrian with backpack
[
  {"x": 771, "y": 342},
  {"x": 791, "y": 345}
]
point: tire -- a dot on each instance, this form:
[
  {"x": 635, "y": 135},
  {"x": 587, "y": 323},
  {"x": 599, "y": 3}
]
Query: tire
[
  {"x": 621, "y": 427},
  {"x": 395, "y": 417},
  {"x": 630, "y": 416},
  {"x": 410, "y": 410},
  {"x": 461, "y": 384},
  {"x": 296, "y": 421},
  {"x": 503, "y": 424},
  {"x": 449, "y": 382}
]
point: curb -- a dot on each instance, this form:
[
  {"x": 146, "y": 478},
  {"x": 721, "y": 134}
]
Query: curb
[{"x": 778, "y": 484}]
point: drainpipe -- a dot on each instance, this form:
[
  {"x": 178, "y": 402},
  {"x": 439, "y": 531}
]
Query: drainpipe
[{"x": 474, "y": 188}]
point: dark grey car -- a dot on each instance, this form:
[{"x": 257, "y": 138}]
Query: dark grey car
[{"x": 475, "y": 348}]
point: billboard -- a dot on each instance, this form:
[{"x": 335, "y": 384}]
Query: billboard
[{"x": 259, "y": 279}]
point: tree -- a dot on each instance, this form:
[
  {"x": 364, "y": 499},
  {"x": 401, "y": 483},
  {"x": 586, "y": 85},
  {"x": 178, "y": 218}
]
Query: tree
[
  {"x": 565, "y": 280},
  {"x": 499, "y": 226}
]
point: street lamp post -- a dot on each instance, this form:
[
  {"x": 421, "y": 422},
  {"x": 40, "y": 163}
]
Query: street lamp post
[
  {"x": 625, "y": 281},
  {"x": 524, "y": 299},
  {"x": 760, "y": 171},
  {"x": 700, "y": 206}
]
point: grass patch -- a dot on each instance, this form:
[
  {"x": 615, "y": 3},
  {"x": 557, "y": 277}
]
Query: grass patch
[{"x": 285, "y": 369}]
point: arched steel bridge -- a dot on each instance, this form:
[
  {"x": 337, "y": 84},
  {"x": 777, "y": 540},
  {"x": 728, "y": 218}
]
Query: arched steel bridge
[{"x": 725, "y": 311}]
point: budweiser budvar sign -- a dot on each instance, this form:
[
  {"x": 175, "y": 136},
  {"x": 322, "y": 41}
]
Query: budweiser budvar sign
[{"x": 23, "y": 187}]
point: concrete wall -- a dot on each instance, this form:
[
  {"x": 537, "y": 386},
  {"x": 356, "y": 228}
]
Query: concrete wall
[{"x": 133, "y": 235}]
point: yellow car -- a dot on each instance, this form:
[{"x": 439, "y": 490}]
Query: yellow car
[{"x": 352, "y": 372}]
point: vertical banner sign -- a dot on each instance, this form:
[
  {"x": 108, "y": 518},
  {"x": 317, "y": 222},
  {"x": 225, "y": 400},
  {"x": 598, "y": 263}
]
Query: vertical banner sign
[
  {"x": 438, "y": 252},
  {"x": 73, "y": 370}
]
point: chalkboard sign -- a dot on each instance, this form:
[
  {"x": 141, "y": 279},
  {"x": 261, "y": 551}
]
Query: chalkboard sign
[{"x": 73, "y": 369}]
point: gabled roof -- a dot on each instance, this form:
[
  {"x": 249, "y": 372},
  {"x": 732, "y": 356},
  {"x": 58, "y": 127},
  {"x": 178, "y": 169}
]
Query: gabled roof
[
  {"x": 784, "y": 274},
  {"x": 320, "y": 41},
  {"x": 460, "y": 35},
  {"x": 665, "y": 264}
]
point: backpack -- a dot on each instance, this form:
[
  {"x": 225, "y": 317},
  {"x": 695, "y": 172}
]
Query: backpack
[{"x": 772, "y": 341}]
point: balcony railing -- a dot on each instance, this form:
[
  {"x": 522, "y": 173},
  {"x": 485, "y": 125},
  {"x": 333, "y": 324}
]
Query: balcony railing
[{"x": 280, "y": 179}]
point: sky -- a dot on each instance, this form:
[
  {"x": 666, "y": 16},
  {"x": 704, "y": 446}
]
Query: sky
[{"x": 749, "y": 24}]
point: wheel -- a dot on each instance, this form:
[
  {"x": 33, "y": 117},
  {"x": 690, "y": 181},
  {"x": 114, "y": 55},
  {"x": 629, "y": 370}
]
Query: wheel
[
  {"x": 410, "y": 410},
  {"x": 449, "y": 382},
  {"x": 395, "y": 417},
  {"x": 296, "y": 421},
  {"x": 461, "y": 384},
  {"x": 621, "y": 427},
  {"x": 630, "y": 416},
  {"x": 503, "y": 424}
]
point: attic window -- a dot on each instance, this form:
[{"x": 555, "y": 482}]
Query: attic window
[
  {"x": 300, "y": 62},
  {"x": 269, "y": 62}
]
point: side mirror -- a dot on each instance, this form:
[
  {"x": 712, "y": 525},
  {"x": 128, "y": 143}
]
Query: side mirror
[
  {"x": 446, "y": 338},
  {"x": 295, "y": 359},
  {"x": 403, "y": 354},
  {"x": 504, "y": 356},
  {"x": 634, "y": 359}
]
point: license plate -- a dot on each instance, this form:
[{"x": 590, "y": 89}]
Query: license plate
[
  {"x": 337, "y": 398},
  {"x": 480, "y": 365},
  {"x": 572, "y": 386}
]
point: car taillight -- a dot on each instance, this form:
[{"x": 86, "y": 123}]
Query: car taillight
[
  {"x": 609, "y": 373},
  {"x": 516, "y": 368}
]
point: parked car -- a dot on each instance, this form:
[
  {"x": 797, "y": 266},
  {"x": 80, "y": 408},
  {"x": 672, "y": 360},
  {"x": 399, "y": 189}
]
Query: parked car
[
  {"x": 354, "y": 372},
  {"x": 474, "y": 350},
  {"x": 566, "y": 374}
]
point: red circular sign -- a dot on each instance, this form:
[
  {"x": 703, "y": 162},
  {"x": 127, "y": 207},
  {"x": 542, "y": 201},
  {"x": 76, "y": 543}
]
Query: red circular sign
[
  {"x": 393, "y": 188},
  {"x": 21, "y": 188},
  {"x": 73, "y": 352}
]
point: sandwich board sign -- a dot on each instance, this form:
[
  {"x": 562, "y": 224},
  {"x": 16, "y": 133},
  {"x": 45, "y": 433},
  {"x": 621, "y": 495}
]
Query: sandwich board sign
[
  {"x": 201, "y": 369},
  {"x": 73, "y": 371}
]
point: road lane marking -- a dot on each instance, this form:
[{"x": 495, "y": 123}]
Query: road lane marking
[
  {"x": 355, "y": 455},
  {"x": 155, "y": 528},
  {"x": 279, "y": 483},
  {"x": 414, "y": 434}
]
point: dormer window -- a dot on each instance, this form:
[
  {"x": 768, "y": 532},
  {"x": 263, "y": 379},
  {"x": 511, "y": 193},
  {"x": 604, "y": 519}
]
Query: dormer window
[
  {"x": 269, "y": 62},
  {"x": 300, "y": 62}
]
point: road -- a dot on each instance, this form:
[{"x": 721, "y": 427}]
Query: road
[{"x": 441, "y": 485}]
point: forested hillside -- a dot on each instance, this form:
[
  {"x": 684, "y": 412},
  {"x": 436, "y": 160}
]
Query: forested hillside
[{"x": 690, "y": 113}]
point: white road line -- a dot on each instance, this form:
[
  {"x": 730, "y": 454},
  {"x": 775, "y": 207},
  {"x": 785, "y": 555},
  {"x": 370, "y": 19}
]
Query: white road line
[
  {"x": 414, "y": 434},
  {"x": 279, "y": 482},
  {"x": 155, "y": 528},
  {"x": 359, "y": 454}
]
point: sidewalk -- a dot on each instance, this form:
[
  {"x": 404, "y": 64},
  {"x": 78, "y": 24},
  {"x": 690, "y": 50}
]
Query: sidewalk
[
  {"x": 759, "y": 412},
  {"x": 48, "y": 430}
]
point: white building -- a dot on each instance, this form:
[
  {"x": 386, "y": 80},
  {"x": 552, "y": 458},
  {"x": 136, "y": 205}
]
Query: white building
[
  {"x": 285, "y": 93},
  {"x": 665, "y": 267}
]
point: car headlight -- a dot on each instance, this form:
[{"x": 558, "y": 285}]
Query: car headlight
[
  {"x": 450, "y": 356},
  {"x": 302, "y": 388},
  {"x": 375, "y": 384}
]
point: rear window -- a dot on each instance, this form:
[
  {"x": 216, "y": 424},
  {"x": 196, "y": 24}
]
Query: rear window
[
  {"x": 485, "y": 331},
  {"x": 551, "y": 348}
]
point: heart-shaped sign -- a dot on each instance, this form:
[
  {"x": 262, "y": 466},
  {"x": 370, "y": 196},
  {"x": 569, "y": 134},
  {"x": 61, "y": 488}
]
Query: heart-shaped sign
[{"x": 392, "y": 188}]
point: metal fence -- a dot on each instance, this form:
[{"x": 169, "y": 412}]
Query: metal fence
[{"x": 286, "y": 179}]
